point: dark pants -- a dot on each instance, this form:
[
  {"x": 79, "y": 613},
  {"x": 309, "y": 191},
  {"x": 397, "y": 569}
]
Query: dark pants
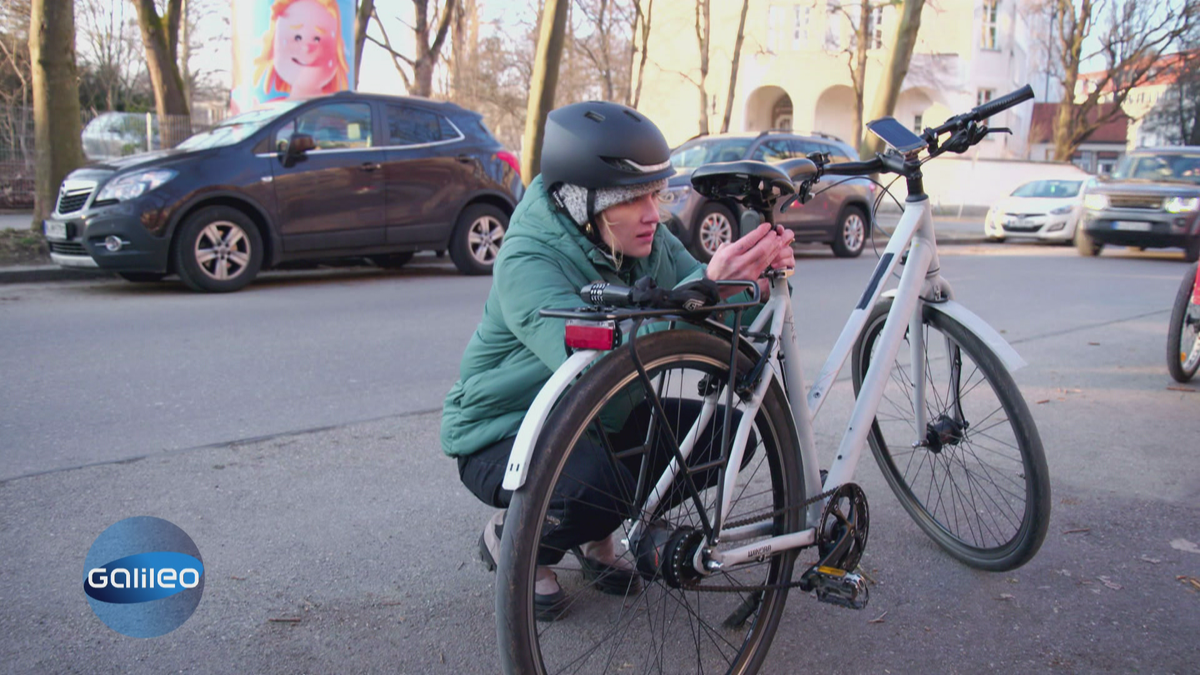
[{"x": 596, "y": 491}]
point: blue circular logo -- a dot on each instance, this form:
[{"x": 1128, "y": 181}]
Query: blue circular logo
[{"x": 143, "y": 577}]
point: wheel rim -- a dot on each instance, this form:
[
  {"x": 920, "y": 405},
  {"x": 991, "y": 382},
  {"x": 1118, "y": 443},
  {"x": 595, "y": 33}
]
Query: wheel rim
[
  {"x": 854, "y": 232},
  {"x": 658, "y": 623},
  {"x": 715, "y": 230},
  {"x": 222, "y": 250},
  {"x": 974, "y": 488},
  {"x": 1189, "y": 338},
  {"x": 484, "y": 239}
]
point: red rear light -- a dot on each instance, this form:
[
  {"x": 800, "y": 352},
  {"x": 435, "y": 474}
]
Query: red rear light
[
  {"x": 600, "y": 335},
  {"x": 511, "y": 160},
  {"x": 1196, "y": 290}
]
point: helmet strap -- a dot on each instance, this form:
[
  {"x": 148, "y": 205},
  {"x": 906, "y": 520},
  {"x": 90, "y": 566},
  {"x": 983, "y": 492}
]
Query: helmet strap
[{"x": 591, "y": 229}]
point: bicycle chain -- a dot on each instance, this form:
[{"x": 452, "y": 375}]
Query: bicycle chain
[{"x": 750, "y": 521}]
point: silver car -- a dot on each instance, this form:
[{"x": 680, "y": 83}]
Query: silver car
[{"x": 838, "y": 215}]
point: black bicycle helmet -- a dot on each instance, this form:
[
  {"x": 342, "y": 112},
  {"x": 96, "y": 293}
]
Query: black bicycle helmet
[{"x": 597, "y": 144}]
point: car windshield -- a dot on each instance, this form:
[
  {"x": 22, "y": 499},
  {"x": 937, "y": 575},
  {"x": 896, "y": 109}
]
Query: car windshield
[
  {"x": 237, "y": 128},
  {"x": 1049, "y": 189},
  {"x": 696, "y": 153},
  {"x": 1171, "y": 168}
]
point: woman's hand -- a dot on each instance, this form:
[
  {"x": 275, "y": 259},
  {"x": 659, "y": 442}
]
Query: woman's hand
[{"x": 749, "y": 256}]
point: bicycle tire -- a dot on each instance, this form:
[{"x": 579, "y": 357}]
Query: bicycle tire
[
  {"x": 526, "y": 647},
  {"x": 1182, "y": 329},
  {"x": 1000, "y": 528}
]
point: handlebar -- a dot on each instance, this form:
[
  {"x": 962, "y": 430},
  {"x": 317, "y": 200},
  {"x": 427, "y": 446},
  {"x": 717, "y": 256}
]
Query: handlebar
[{"x": 965, "y": 127}]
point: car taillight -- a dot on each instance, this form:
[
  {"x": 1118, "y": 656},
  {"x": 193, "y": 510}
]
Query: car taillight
[
  {"x": 511, "y": 160},
  {"x": 600, "y": 335}
]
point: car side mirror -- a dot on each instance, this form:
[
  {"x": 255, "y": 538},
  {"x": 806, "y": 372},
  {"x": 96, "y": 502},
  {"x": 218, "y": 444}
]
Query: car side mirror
[{"x": 300, "y": 144}]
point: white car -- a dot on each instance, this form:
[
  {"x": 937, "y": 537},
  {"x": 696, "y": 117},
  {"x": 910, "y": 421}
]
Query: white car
[{"x": 1047, "y": 210}]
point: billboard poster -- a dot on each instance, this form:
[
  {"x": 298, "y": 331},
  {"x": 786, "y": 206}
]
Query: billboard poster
[{"x": 290, "y": 49}]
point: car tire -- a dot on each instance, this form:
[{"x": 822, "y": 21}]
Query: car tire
[
  {"x": 218, "y": 250},
  {"x": 1086, "y": 245},
  {"x": 1191, "y": 252},
  {"x": 850, "y": 236},
  {"x": 714, "y": 226},
  {"x": 393, "y": 261},
  {"x": 477, "y": 238},
  {"x": 996, "y": 240},
  {"x": 141, "y": 277}
]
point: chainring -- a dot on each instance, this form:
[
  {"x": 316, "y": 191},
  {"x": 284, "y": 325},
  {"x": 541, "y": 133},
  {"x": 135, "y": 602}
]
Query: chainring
[{"x": 844, "y": 525}]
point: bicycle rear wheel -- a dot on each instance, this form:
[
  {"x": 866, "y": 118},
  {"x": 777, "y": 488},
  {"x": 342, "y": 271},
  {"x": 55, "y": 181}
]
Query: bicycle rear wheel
[
  {"x": 1183, "y": 340},
  {"x": 975, "y": 478},
  {"x": 661, "y": 626}
]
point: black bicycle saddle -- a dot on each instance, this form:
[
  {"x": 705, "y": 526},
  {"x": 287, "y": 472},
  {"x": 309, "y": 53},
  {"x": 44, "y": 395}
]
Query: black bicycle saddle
[{"x": 755, "y": 183}]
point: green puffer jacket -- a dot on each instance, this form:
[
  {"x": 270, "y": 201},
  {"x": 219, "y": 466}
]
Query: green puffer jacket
[{"x": 544, "y": 262}]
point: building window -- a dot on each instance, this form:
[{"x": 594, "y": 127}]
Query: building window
[
  {"x": 775, "y": 28},
  {"x": 983, "y": 96},
  {"x": 801, "y": 14},
  {"x": 833, "y": 26},
  {"x": 988, "y": 38},
  {"x": 918, "y": 124},
  {"x": 875, "y": 28}
]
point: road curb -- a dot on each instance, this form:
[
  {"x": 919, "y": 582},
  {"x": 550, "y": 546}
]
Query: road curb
[{"x": 30, "y": 274}]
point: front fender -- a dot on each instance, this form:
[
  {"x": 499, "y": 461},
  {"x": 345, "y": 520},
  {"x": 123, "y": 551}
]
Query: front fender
[
  {"x": 531, "y": 426},
  {"x": 982, "y": 329}
]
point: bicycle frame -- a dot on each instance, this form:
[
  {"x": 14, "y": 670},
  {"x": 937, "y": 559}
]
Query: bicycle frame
[{"x": 913, "y": 246}]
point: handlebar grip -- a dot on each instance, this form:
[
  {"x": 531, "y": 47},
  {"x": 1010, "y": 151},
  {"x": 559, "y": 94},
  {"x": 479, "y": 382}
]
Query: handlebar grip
[
  {"x": 607, "y": 294},
  {"x": 1001, "y": 104},
  {"x": 854, "y": 168}
]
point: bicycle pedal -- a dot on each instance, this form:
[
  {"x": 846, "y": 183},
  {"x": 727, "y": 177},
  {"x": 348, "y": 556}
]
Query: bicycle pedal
[{"x": 836, "y": 587}]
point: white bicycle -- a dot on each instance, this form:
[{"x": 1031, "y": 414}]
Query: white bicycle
[{"x": 718, "y": 488}]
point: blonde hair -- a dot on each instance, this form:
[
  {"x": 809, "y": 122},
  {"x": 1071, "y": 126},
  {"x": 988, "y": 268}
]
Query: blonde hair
[
  {"x": 617, "y": 257},
  {"x": 264, "y": 65}
]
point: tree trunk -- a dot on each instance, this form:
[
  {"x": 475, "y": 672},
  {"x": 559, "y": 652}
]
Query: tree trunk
[
  {"x": 733, "y": 73},
  {"x": 55, "y": 100},
  {"x": 362, "y": 19},
  {"x": 185, "y": 55},
  {"x": 645, "y": 30},
  {"x": 895, "y": 72},
  {"x": 703, "y": 30},
  {"x": 858, "y": 73},
  {"x": 160, "y": 36},
  {"x": 543, "y": 84},
  {"x": 1072, "y": 47}
]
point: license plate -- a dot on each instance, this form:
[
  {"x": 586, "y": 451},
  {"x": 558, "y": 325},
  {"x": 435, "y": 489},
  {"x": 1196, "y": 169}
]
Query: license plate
[
  {"x": 1131, "y": 225},
  {"x": 55, "y": 230}
]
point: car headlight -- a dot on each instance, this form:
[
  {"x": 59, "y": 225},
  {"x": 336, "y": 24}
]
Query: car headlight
[
  {"x": 674, "y": 196},
  {"x": 1181, "y": 204},
  {"x": 134, "y": 185},
  {"x": 1061, "y": 210},
  {"x": 1095, "y": 202}
]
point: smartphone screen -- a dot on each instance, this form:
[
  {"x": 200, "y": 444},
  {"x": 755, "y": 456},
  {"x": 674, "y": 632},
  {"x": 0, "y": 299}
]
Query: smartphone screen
[{"x": 896, "y": 135}]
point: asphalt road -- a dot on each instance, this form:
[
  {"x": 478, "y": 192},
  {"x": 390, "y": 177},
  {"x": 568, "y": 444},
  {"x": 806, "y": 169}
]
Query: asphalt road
[{"x": 291, "y": 430}]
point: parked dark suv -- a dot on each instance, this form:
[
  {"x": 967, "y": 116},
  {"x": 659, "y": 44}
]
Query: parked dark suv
[
  {"x": 347, "y": 175},
  {"x": 838, "y": 216},
  {"x": 1152, "y": 200}
]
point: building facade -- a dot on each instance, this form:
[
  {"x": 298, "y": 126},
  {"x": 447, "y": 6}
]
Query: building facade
[{"x": 794, "y": 67}]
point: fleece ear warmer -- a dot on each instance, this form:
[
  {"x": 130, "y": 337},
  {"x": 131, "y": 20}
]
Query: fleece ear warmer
[{"x": 574, "y": 198}]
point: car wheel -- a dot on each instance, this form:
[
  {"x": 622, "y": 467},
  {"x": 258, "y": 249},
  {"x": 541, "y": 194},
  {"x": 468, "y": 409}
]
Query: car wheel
[
  {"x": 851, "y": 235},
  {"x": 1085, "y": 244},
  {"x": 996, "y": 240},
  {"x": 714, "y": 227},
  {"x": 1191, "y": 252},
  {"x": 141, "y": 277},
  {"x": 477, "y": 237},
  {"x": 393, "y": 261},
  {"x": 218, "y": 250}
]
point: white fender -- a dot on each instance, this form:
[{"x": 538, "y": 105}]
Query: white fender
[
  {"x": 982, "y": 329},
  {"x": 531, "y": 426}
]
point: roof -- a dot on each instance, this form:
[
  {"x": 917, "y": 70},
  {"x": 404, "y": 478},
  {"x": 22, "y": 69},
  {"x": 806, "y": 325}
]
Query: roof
[
  {"x": 1164, "y": 71},
  {"x": 1041, "y": 127}
]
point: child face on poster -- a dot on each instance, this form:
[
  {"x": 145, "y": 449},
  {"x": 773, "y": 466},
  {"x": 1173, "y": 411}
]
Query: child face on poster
[{"x": 306, "y": 47}]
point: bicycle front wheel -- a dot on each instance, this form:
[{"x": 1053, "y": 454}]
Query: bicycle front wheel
[
  {"x": 586, "y": 480},
  {"x": 975, "y": 478},
  {"x": 1183, "y": 337}
]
